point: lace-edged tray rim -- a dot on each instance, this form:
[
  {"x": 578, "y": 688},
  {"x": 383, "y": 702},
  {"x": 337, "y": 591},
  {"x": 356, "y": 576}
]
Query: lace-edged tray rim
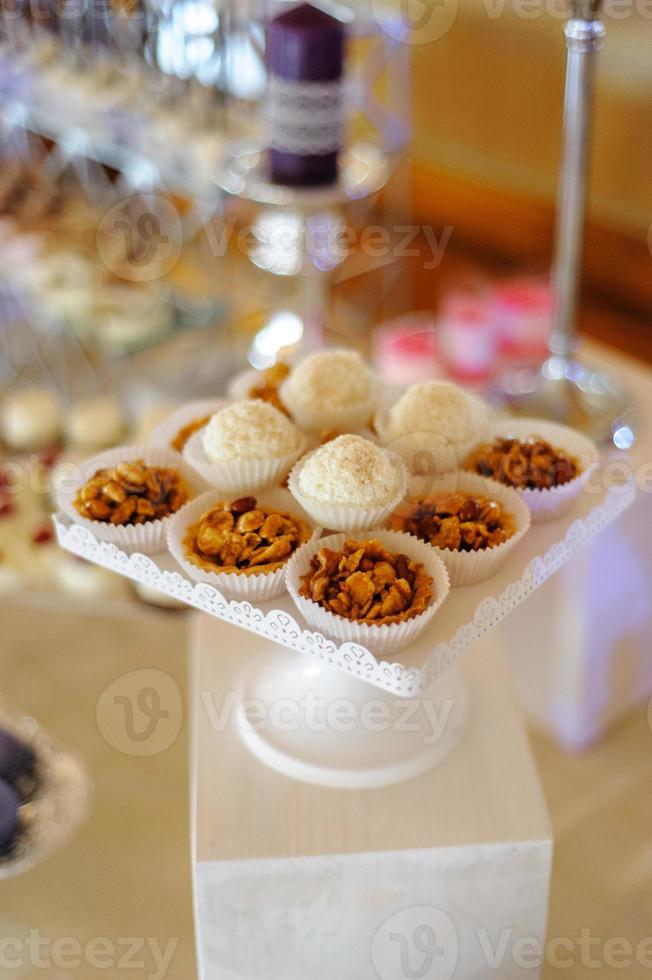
[{"x": 281, "y": 627}]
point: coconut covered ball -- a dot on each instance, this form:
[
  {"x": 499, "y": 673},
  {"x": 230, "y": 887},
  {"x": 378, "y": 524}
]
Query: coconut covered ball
[
  {"x": 350, "y": 470},
  {"x": 330, "y": 389},
  {"x": 249, "y": 429},
  {"x": 437, "y": 407}
]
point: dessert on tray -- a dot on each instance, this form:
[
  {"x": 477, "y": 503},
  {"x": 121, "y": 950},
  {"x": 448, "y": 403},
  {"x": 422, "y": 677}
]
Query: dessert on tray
[
  {"x": 433, "y": 425},
  {"x": 241, "y": 545},
  {"x": 526, "y": 464},
  {"x": 440, "y": 498},
  {"x": 366, "y": 582},
  {"x": 332, "y": 390},
  {"x": 546, "y": 463},
  {"x": 132, "y": 493},
  {"x": 349, "y": 484},
  {"x": 380, "y": 590},
  {"x": 127, "y": 495},
  {"x": 456, "y": 521},
  {"x": 244, "y": 446},
  {"x": 471, "y": 522},
  {"x": 242, "y": 537}
]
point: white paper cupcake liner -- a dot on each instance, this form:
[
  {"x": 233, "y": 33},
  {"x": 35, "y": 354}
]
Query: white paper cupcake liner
[
  {"x": 240, "y": 476},
  {"x": 428, "y": 453},
  {"x": 469, "y": 567},
  {"x": 340, "y": 517},
  {"x": 254, "y": 587},
  {"x": 316, "y": 418},
  {"x": 381, "y": 640},
  {"x": 147, "y": 538},
  {"x": 545, "y": 505},
  {"x": 167, "y": 430}
]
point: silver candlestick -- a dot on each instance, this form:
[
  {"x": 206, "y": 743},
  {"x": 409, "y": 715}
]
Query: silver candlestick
[{"x": 564, "y": 388}]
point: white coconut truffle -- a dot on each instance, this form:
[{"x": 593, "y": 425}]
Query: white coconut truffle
[
  {"x": 96, "y": 422},
  {"x": 249, "y": 429},
  {"x": 438, "y": 407},
  {"x": 337, "y": 379},
  {"x": 350, "y": 470},
  {"x": 31, "y": 418}
]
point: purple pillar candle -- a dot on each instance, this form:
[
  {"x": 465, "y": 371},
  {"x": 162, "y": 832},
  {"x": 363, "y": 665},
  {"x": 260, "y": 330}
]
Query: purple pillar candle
[{"x": 305, "y": 57}]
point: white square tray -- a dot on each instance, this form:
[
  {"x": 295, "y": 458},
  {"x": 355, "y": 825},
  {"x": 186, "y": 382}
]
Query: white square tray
[{"x": 465, "y": 615}]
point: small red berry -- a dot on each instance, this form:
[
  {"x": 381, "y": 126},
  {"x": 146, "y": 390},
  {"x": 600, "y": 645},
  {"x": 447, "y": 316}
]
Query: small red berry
[
  {"x": 50, "y": 456},
  {"x": 7, "y": 507},
  {"x": 43, "y": 535}
]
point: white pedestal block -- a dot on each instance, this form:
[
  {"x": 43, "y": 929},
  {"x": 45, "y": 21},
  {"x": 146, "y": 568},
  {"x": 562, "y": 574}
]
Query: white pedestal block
[
  {"x": 437, "y": 877},
  {"x": 580, "y": 647}
]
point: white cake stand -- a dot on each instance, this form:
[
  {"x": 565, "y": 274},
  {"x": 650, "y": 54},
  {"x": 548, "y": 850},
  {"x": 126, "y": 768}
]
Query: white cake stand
[
  {"x": 307, "y": 721},
  {"x": 335, "y": 714}
]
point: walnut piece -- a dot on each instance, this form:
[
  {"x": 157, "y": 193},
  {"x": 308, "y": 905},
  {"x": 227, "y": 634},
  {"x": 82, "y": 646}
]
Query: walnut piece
[
  {"x": 132, "y": 493},
  {"x": 244, "y": 538},
  {"x": 456, "y": 521},
  {"x": 366, "y": 583},
  {"x": 530, "y": 465}
]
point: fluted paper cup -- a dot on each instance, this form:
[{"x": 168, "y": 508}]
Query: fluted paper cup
[
  {"x": 315, "y": 418},
  {"x": 167, "y": 430},
  {"x": 381, "y": 640},
  {"x": 546, "y": 505},
  {"x": 240, "y": 476},
  {"x": 469, "y": 567},
  {"x": 255, "y": 585},
  {"x": 147, "y": 538},
  {"x": 344, "y": 517}
]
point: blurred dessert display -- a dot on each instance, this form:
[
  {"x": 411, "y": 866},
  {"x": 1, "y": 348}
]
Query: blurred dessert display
[
  {"x": 115, "y": 292},
  {"x": 119, "y": 91},
  {"x": 28, "y": 555},
  {"x": 42, "y": 441}
]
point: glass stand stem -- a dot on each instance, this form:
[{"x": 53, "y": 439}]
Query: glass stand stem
[{"x": 583, "y": 39}]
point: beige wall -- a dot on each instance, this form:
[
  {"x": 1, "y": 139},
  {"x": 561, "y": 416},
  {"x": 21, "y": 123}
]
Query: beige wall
[{"x": 488, "y": 96}]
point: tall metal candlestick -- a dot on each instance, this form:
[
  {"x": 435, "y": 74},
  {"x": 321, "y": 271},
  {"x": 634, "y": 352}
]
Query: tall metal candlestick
[
  {"x": 584, "y": 38},
  {"x": 564, "y": 388}
]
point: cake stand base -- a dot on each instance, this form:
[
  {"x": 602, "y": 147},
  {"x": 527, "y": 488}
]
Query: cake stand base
[
  {"x": 574, "y": 394},
  {"x": 306, "y": 721}
]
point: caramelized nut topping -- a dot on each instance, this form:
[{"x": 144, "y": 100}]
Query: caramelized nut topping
[
  {"x": 132, "y": 493},
  {"x": 366, "y": 583},
  {"x": 456, "y": 521},
  {"x": 244, "y": 538},
  {"x": 188, "y": 430},
  {"x": 530, "y": 465},
  {"x": 266, "y": 388}
]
